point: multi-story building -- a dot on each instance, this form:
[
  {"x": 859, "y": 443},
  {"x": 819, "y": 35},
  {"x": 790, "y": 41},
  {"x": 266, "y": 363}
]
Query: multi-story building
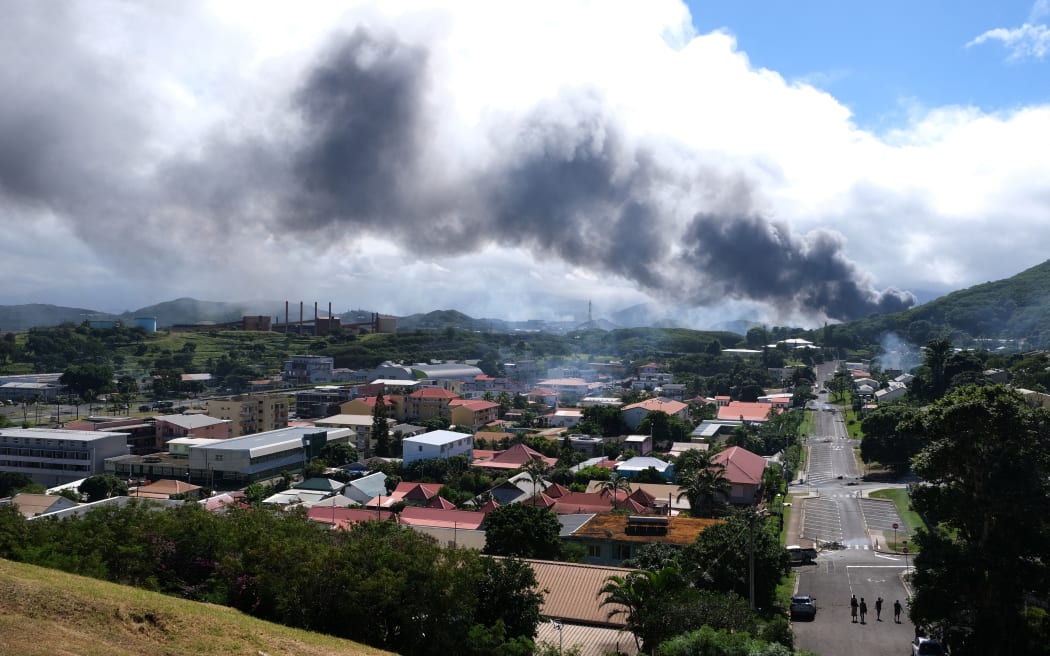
[
  {"x": 427, "y": 403},
  {"x": 309, "y": 369},
  {"x": 53, "y": 457},
  {"x": 321, "y": 401},
  {"x": 437, "y": 444},
  {"x": 361, "y": 425},
  {"x": 473, "y": 414},
  {"x": 251, "y": 414}
]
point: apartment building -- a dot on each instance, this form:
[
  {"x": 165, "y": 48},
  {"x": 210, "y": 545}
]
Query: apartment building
[{"x": 251, "y": 414}]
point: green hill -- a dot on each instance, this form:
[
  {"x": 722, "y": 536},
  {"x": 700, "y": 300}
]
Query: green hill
[
  {"x": 45, "y": 612},
  {"x": 1015, "y": 308}
]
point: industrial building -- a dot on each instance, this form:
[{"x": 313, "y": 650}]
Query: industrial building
[{"x": 53, "y": 456}]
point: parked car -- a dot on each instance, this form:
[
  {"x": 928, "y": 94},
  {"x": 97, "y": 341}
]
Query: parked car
[
  {"x": 927, "y": 647},
  {"x": 803, "y": 606},
  {"x": 801, "y": 555}
]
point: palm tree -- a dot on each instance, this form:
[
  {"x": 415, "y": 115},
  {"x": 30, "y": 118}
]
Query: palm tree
[
  {"x": 616, "y": 482},
  {"x": 535, "y": 469},
  {"x": 705, "y": 488},
  {"x": 632, "y": 594}
]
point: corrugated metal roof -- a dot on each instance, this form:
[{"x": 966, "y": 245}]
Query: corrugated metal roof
[
  {"x": 573, "y": 592},
  {"x": 591, "y": 640}
]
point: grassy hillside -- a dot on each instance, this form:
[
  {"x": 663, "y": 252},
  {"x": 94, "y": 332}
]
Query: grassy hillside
[{"x": 49, "y": 613}]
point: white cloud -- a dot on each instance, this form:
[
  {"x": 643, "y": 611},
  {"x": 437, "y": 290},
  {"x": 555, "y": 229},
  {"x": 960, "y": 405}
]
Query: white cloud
[
  {"x": 1029, "y": 41},
  {"x": 954, "y": 197}
]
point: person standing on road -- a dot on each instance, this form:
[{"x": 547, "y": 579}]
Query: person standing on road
[
  {"x": 853, "y": 608},
  {"x": 863, "y": 609},
  {"x": 897, "y": 611},
  {"x": 878, "y": 609}
]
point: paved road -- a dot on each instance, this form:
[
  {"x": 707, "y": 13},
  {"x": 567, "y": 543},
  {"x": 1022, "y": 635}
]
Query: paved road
[{"x": 837, "y": 511}]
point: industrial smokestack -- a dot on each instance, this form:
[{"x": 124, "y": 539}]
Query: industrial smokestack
[
  {"x": 286, "y": 317},
  {"x": 300, "y": 317}
]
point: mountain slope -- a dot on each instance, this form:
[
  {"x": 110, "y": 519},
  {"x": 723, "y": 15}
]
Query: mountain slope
[
  {"x": 1013, "y": 308},
  {"x": 24, "y": 317}
]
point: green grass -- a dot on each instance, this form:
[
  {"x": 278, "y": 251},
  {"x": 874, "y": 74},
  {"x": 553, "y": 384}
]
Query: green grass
[
  {"x": 45, "y": 612},
  {"x": 911, "y": 519}
]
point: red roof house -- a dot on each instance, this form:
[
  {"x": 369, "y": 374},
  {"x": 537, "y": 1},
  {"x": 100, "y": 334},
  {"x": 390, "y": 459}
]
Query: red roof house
[{"x": 743, "y": 470}]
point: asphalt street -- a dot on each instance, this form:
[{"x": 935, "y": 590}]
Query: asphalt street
[{"x": 836, "y": 510}]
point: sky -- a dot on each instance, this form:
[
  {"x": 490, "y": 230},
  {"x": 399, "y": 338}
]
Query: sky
[{"x": 791, "y": 163}]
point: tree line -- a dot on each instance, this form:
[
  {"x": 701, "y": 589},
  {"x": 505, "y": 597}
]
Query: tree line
[{"x": 377, "y": 583}]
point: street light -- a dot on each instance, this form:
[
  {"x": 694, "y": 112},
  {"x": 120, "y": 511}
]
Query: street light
[
  {"x": 561, "y": 638},
  {"x": 751, "y": 554}
]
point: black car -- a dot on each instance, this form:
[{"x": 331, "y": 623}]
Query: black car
[{"x": 803, "y": 607}]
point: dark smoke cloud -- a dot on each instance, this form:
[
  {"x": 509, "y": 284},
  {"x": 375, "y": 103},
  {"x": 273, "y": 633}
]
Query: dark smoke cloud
[
  {"x": 564, "y": 181},
  {"x": 750, "y": 257}
]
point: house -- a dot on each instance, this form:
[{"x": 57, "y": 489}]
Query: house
[
  {"x": 33, "y": 505},
  {"x": 743, "y": 470},
  {"x": 634, "y": 414},
  {"x": 512, "y": 458},
  {"x": 637, "y": 465},
  {"x": 573, "y": 598},
  {"x": 563, "y": 418},
  {"x": 414, "y": 493},
  {"x": 563, "y": 501},
  {"x": 428, "y": 403},
  {"x": 639, "y": 444},
  {"x": 363, "y": 489},
  {"x": 612, "y": 538},
  {"x": 517, "y": 488},
  {"x": 661, "y": 496},
  {"x": 450, "y": 527},
  {"x": 472, "y": 414},
  {"x": 167, "y": 489},
  {"x": 437, "y": 444},
  {"x": 746, "y": 411},
  {"x": 569, "y": 390},
  {"x": 892, "y": 392}
]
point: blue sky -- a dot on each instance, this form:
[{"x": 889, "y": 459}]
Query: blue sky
[
  {"x": 783, "y": 161},
  {"x": 882, "y": 58}
]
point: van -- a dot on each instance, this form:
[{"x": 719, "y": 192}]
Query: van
[{"x": 801, "y": 555}]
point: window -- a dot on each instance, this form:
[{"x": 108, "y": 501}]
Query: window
[
  {"x": 218, "y": 457},
  {"x": 623, "y": 551},
  {"x": 594, "y": 551}
]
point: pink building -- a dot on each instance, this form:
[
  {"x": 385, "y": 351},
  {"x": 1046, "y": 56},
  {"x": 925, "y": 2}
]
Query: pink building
[{"x": 170, "y": 427}]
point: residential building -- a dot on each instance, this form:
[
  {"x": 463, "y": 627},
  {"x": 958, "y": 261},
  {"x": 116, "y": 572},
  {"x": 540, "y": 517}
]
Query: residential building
[
  {"x": 321, "y": 401},
  {"x": 427, "y": 403},
  {"x": 612, "y": 538},
  {"x": 573, "y": 598},
  {"x": 55, "y": 456},
  {"x": 308, "y": 369},
  {"x": 568, "y": 390},
  {"x": 251, "y": 414},
  {"x": 743, "y": 470},
  {"x": 513, "y": 458},
  {"x": 562, "y": 418},
  {"x": 892, "y": 392},
  {"x": 472, "y": 414},
  {"x": 34, "y": 505},
  {"x": 746, "y": 411},
  {"x": 641, "y": 445},
  {"x": 635, "y": 466},
  {"x": 361, "y": 425},
  {"x": 169, "y": 427},
  {"x": 437, "y": 444},
  {"x": 634, "y": 414}
]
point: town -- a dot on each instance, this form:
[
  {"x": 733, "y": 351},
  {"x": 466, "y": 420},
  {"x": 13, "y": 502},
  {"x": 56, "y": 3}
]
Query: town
[{"x": 594, "y": 470}]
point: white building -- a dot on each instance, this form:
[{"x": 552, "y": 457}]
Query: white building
[
  {"x": 437, "y": 444},
  {"x": 52, "y": 457}
]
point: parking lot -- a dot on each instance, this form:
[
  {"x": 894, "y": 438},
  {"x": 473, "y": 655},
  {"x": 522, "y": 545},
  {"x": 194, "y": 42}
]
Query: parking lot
[
  {"x": 881, "y": 515},
  {"x": 821, "y": 520}
]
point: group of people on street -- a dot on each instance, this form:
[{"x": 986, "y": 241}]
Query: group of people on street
[{"x": 861, "y": 607}]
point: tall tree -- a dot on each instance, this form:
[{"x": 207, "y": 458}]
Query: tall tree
[
  {"x": 380, "y": 428},
  {"x": 706, "y": 489},
  {"x": 535, "y": 469},
  {"x": 888, "y": 440},
  {"x": 987, "y": 497},
  {"x": 522, "y": 531}
]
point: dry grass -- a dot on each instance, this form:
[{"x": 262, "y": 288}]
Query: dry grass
[{"x": 49, "y": 613}]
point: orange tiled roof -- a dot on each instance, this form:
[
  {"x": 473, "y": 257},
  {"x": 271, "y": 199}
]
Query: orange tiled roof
[
  {"x": 748, "y": 410},
  {"x": 432, "y": 393}
]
